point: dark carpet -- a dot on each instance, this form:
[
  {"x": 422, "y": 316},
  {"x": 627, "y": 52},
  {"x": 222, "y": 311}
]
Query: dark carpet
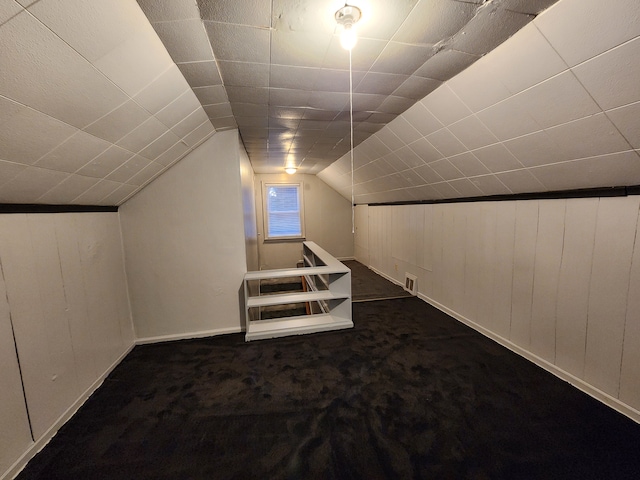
[
  {"x": 407, "y": 393},
  {"x": 368, "y": 285}
]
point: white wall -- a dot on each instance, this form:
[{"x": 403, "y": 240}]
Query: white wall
[
  {"x": 558, "y": 281},
  {"x": 63, "y": 295},
  {"x": 327, "y": 222},
  {"x": 184, "y": 244},
  {"x": 249, "y": 210}
]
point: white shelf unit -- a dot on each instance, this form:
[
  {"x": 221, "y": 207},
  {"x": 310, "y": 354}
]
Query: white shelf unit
[{"x": 329, "y": 296}]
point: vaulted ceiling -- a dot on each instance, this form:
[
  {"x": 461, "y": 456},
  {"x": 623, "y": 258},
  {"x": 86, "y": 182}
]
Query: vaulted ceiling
[
  {"x": 276, "y": 69},
  {"x": 98, "y": 98}
]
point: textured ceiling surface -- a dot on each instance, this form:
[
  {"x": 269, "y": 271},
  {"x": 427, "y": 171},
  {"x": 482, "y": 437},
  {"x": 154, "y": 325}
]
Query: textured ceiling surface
[
  {"x": 276, "y": 70},
  {"x": 557, "y": 107},
  {"x": 92, "y": 107},
  {"x": 100, "y": 97}
]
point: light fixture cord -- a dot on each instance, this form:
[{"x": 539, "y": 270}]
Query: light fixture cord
[{"x": 353, "y": 208}]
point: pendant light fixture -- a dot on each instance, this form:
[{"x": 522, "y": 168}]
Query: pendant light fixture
[{"x": 348, "y": 16}]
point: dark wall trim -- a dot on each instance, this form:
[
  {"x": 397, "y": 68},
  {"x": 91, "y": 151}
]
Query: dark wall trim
[
  {"x": 35, "y": 208},
  {"x": 582, "y": 193}
]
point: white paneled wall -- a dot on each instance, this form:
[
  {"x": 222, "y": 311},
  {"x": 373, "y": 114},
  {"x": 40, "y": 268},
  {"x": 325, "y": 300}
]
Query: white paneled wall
[
  {"x": 184, "y": 242},
  {"x": 64, "y": 299},
  {"x": 555, "y": 107},
  {"x": 556, "y": 280}
]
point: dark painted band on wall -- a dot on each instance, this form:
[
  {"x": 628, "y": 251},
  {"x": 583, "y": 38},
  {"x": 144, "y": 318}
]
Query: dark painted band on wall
[
  {"x": 581, "y": 193},
  {"x": 36, "y": 208}
]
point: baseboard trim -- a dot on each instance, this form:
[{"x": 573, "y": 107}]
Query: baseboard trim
[
  {"x": 382, "y": 274},
  {"x": 580, "y": 384},
  {"x": 187, "y": 336},
  {"x": 345, "y": 259},
  {"x": 41, "y": 442}
]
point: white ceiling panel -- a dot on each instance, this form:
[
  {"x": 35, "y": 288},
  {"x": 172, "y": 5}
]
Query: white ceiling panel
[
  {"x": 68, "y": 190},
  {"x": 73, "y": 153},
  {"x": 136, "y": 62},
  {"x": 520, "y": 181},
  {"x": 606, "y": 170},
  {"x": 167, "y": 11},
  {"x": 36, "y": 56},
  {"x": 445, "y": 105},
  {"x": 612, "y": 78},
  {"x": 570, "y": 25},
  {"x": 93, "y": 29},
  {"x": 8, "y": 10},
  {"x": 145, "y": 175},
  {"x": 590, "y": 136},
  {"x": 162, "y": 91},
  {"x": 465, "y": 187},
  {"x": 526, "y": 60},
  {"x": 160, "y": 145},
  {"x": 201, "y": 74},
  {"x": 239, "y": 43},
  {"x": 179, "y": 109},
  {"x": 468, "y": 164},
  {"x": 131, "y": 167},
  {"x": 275, "y": 71},
  {"x": 96, "y": 194},
  {"x": 142, "y": 136},
  {"x": 557, "y": 100},
  {"x": 30, "y": 184},
  {"x": 446, "y": 170},
  {"x": 425, "y": 150},
  {"x": 497, "y": 158},
  {"x": 9, "y": 170},
  {"x": 490, "y": 185},
  {"x": 446, "y": 142},
  {"x": 472, "y": 133},
  {"x": 508, "y": 119},
  {"x": 627, "y": 121},
  {"x": 185, "y": 40},
  {"x": 480, "y": 86},
  {"x": 120, "y": 194},
  {"x": 17, "y": 141},
  {"x": 106, "y": 162},
  {"x": 119, "y": 122}
]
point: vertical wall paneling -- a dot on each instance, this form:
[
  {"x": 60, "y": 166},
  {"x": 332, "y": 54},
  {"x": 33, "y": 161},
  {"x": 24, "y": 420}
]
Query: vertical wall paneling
[
  {"x": 95, "y": 244},
  {"x": 361, "y": 237},
  {"x": 523, "y": 271},
  {"x": 486, "y": 264},
  {"x": 474, "y": 270},
  {"x": 39, "y": 372},
  {"x": 76, "y": 299},
  {"x": 453, "y": 255},
  {"x": 556, "y": 280},
  {"x": 548, "y": 257},
  {"x": 629, "y": 374},
  {"x": 61, "y": 388},
  {"x": 15, "y": 435},
  {"x": 573, "y": 284},
  {"x": 613, "y": 249},
  {"x": 65, "y": 341},
  {"x": 503, "y": 262},
  {"x": 425, "y": 249},
  {"x": 437, "y": 274}
]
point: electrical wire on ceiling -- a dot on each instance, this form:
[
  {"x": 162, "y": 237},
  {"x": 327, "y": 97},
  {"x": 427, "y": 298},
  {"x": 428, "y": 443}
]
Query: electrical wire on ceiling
[{"x": 347, "y": 17}]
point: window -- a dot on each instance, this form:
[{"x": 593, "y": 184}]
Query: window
[{"x": 283, "y": 211}]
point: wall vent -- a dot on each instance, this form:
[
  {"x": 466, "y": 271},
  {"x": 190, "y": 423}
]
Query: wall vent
[{"x": 410, "y": 283}]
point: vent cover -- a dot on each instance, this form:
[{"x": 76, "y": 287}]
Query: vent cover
[{"x": 410, "y": 283}]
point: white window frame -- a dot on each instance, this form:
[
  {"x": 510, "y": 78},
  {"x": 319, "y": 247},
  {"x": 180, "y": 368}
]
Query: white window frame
[{"x": 265, "y": 212}]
